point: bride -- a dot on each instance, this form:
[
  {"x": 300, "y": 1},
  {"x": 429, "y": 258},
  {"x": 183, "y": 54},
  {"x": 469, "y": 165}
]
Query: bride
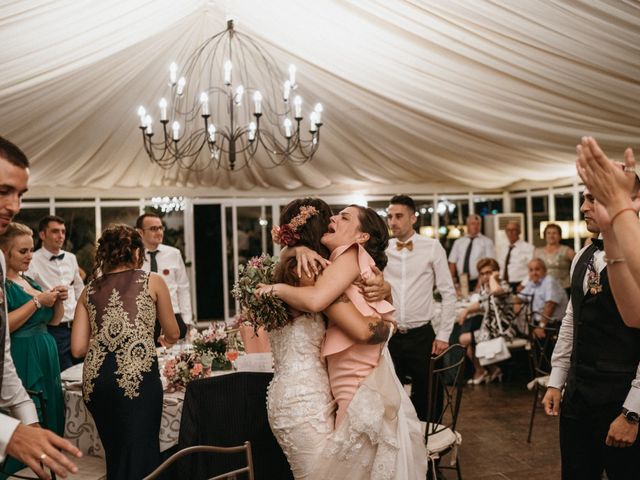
[{"x": 377, "y": 434}]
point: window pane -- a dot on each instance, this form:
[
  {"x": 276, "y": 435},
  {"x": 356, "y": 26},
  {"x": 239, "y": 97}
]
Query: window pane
[
  {"x": 114, "y": 215},
  {"x": 452, "y": 215},
  {"x": 80, "y": 224},
  {"x": 564, "y": 216},
  {"x": 174, "y": 228},
  {"x": 31, "y": 217},
  {"x": 540, "y": 213},
  {"x": 230, "y": 262}
]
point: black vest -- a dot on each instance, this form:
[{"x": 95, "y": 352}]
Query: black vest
[{"x": 606, "y": 352}]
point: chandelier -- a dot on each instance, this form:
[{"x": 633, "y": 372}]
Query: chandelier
[{"x": 227, "y": 104}]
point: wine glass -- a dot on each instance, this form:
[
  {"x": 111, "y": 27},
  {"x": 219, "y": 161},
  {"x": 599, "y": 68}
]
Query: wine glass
[{"x": 232, "y": 350}]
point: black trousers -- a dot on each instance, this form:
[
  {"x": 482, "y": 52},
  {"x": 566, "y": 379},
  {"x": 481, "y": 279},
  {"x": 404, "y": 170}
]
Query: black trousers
[
  {"x": 584, "y": 453},
  {"x": 411, "y": 353},
  {"x": 62, "y": 335}
]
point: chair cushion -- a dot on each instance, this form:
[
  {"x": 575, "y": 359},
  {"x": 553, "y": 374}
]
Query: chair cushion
[{"x": 443, "y": 439}]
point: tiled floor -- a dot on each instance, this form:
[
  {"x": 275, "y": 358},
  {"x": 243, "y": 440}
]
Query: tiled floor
[{"x": 493, "y": 422}]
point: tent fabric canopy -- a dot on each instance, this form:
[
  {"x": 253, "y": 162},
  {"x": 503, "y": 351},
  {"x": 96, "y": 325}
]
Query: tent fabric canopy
[{"x": 428, "y": 95}]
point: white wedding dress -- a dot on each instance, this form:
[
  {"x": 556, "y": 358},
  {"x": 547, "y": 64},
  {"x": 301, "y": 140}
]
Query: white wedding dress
[{"x": 380, "y": 436}]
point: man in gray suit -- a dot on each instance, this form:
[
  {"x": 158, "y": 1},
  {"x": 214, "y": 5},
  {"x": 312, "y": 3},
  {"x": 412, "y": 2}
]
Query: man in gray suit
[{"x": 20, "y": 434}]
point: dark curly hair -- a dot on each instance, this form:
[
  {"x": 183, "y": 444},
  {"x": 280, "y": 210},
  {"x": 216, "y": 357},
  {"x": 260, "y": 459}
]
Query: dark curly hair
[
  {"x": 310, "y": 233},
  {"x": 371, "y": 223},
  {"x": 117, "y": 247}
]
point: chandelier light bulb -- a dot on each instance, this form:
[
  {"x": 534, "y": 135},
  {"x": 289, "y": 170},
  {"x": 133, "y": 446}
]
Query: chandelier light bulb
[
  {"x": 163, "y": 109},
  {"x": 176, "y": 130},
  {"x": 148, "y": 122},
  {"x": 318, "y": 109},
  {"x": 287, "y": 128},
  {"x": 212, "y": 133},
  {"x": 204, "y": 103},
  {"x": 297, "y": 103},
  {"x": 292, "y": 75},
  {"x": 173, "y": 73},
  {"x": 252, "y": 131},
  {"x": 227, "y": 72},
  {"x": 181, "y": 83},
  {"x": 142, "y": 113},
  {"x": 238, "y": 96},
  {"x": 286, "y": 90},
  {"x": 257, "y": 103},
  {"x": 313, "y": 120}
]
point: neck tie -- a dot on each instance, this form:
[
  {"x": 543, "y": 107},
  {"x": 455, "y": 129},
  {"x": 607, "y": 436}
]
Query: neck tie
[
  {"x": 56, "y": 257},
  {"x": 505, "y": 277},
  {"x": 467, "y": 256},
  {"x": 598, "y": 243},
  {"x": 153, "y": 261},
  {"x": 408, "y": 245},
  {"x": 3, "y": 324}
]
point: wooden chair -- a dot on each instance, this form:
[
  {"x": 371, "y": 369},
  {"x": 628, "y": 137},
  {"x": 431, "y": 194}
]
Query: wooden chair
[
  {"x": 446, "y": 383},
  {"x": 246, "y": 448},
  {"x": 540, "y": 358}
]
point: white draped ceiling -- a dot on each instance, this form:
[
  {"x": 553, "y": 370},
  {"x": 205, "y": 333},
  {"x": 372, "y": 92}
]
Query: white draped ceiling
[{"x": 419, "y": 95}]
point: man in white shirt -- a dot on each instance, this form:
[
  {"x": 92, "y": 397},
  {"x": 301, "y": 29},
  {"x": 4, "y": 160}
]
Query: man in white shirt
[
  {"x": 51, "y": 266},
  {"x": 467, "y": 250},
  {"x": 167, "y": 262},
  {"x": 415, "y": 264},
  {"x": 598, "y": 357},
  {"x": 515, "y": 259},
  {"x": 20, "y": 435}
]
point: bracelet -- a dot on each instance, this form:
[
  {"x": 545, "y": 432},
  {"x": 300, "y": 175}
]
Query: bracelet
[
  {"x": 630, "y": 209},
  {"x": 611, "y": 261},
  {"x": 37, "y": 303}
]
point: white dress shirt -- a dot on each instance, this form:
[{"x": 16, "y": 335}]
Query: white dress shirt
[
  {"x": 561, "y": 358},
  {"x": 482, "y": 248},
  {"x": 51, "y": 273},
  {"x": 412, "y": 276},
  {"x": 521, "y": 255},
  {"x": 13, "y": 397},
  {"x": 171, "y": 268}
]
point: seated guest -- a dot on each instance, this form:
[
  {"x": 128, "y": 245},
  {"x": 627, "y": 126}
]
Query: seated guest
[
  {"x": 557, "y": 257},
  {"x": 30, "y": 309},
  {"x": 548, "y": 299},
  {"x": 497, "y": 317},
  {"x": 113, "y": 326}
]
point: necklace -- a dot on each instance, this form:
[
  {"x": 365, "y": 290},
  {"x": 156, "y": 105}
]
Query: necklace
[{"x": 593, "y": 278}]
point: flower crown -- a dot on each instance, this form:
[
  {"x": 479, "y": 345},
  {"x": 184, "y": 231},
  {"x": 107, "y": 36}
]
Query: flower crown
[{"x": 287, "y": 234}]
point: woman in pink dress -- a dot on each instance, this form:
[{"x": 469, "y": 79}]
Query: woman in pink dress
[{"x": 377, "y": 431}]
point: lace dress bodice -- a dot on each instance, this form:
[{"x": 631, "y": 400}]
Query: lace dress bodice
[{"x": 299, "y": 403}]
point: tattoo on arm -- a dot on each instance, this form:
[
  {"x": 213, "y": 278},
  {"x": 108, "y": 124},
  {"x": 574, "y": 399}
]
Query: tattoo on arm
[{"x": 379, "y": 331}]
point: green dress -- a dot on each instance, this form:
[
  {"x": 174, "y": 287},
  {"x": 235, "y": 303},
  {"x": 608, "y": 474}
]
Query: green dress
[{"x": 35, "y": 356}]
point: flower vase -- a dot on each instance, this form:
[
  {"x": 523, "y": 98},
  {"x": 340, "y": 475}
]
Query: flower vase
[{"x": 254, "y": 343}]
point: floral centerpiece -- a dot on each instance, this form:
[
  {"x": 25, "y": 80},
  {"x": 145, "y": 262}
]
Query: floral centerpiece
[
  {"x": 182, "y": 369},
  {"x": 267, "y": 311},
  {"x": 211, "y": 346}
]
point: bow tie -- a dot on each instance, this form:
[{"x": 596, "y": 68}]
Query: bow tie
[
  {"x": 599, "y": 244},
  {"x": 56, "y": 257},
  {"x": 408, "y": 245}
]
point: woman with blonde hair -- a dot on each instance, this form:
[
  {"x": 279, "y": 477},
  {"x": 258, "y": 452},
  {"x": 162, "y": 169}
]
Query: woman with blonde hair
[
  {"x": 31, "y": 309},
  {"x": 113, "y": 326}
]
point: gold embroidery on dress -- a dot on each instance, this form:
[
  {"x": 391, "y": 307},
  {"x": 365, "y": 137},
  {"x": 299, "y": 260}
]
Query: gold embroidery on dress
[{"x": 132, "y": 342}]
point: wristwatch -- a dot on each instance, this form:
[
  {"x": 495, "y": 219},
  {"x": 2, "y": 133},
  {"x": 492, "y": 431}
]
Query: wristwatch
[
  {"x": 631, "y": 417},
  {"x": 37, "y": 302}
]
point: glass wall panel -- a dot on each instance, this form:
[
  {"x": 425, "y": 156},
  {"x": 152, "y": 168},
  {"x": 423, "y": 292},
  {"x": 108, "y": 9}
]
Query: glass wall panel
[
  {"x": 231, "y": 264},
  {"x": 452, "y": 214},
  {"x": 540, "y": 213},
  {"x": 31, "y": 217},
  {"x": 80, "y": 223},
  {"x": 173, "y": 224},
  {"x": 564, "y": 216},
  {"x": 424, "y": 224},
  {"x": 113, "y": 215}
]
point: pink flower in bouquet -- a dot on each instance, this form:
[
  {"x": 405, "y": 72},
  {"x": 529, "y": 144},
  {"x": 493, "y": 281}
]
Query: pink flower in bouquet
[
  {"x": 256, "y": 262},
  {"x": 196, "y": 371}
]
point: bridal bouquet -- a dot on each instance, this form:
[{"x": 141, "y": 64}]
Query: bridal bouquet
[
  {"x": 267, "y": 311},
  {"x": 211, "y": 347},
  {"x": 182, "y": 369}
]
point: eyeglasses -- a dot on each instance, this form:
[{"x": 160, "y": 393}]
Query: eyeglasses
[
  {"x": 486, "y": 272},
  {"x": 155, "y": 228}
]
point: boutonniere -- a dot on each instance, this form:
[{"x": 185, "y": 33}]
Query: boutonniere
[
  {"x": 165, "y": 271},
  {"x": 593, "y": 279}
]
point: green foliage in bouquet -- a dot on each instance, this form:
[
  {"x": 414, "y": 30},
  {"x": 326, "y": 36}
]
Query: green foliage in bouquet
[
  {"x": 267, "y": 311},
  {"x": 210, "y": 346}
]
